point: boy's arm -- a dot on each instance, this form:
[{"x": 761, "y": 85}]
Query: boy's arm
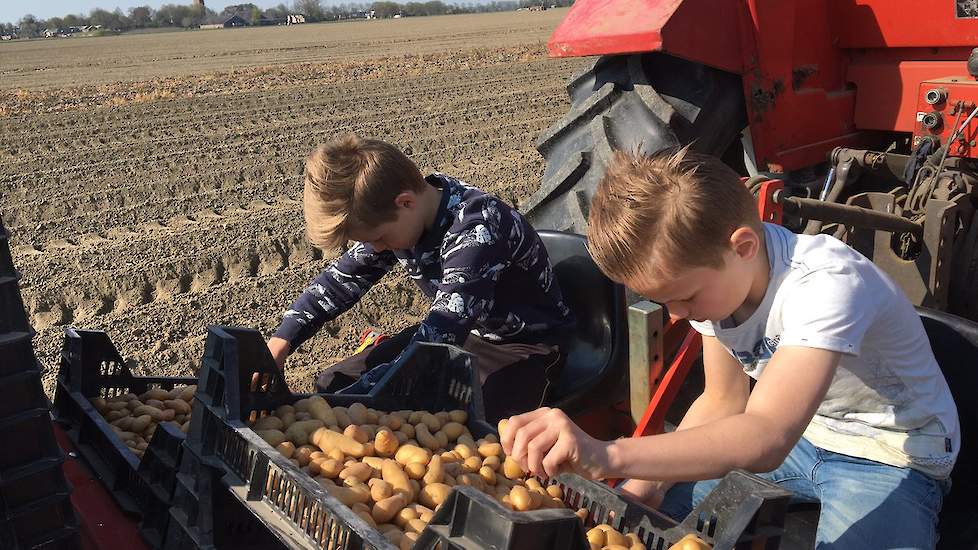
[
  {"x": 725, "y": 393},
  {"x": 333, "y": 292},
  {"x": 758, "y": 439}
]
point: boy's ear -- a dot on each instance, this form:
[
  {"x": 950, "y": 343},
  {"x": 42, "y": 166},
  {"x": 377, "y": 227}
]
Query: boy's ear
[
  {"x": 745, "y": 242},
  {"x": 406, "y": 199}
]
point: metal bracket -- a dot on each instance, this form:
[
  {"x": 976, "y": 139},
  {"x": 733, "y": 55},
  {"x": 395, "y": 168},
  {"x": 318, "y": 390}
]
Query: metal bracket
[{"x": 645, "y": 362}]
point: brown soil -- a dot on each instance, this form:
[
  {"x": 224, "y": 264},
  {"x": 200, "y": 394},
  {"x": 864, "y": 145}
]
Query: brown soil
[{"x": 153, "y": 193}]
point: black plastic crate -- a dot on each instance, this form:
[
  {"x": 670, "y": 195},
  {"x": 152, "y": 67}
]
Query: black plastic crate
[
  {"x": 91, "y": 366},
  {"x": 22, "y": 392},
  {"x": 16, "y": 353},
  {"x": 27, "y": 438},
  {"x": 156, "y": 476},
  {"x": 21, "y": 487},
  {"x": 239, "y": 379},
  {"x": 47, "y": 523},
  {"x": 208, "y": 514},
  {"x": 743, "y": 512}
]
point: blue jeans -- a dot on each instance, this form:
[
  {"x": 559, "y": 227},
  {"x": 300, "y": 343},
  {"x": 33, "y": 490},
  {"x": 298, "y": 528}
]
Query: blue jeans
[{"x": 864, "y": 504}]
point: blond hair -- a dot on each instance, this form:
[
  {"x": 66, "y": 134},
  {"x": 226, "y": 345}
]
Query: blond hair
[
  {"x": 352, "y": 182},
  {"x": 659, "y": 214}
]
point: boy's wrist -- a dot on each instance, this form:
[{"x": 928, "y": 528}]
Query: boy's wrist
[{"x": 610, "y": 460}]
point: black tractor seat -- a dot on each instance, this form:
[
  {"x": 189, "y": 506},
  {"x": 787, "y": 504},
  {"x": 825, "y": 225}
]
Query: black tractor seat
[
  {"x": 955, "y": 344},
  {"x": 597, "y": 354}
]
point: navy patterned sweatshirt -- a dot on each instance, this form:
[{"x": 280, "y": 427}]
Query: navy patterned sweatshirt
[{"x": 481, "y": 264}]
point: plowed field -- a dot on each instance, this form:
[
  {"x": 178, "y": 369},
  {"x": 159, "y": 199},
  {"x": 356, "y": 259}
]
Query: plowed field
[{"x": 152, "y": 182}]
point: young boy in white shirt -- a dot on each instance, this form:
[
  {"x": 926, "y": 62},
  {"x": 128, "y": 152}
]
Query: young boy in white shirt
[{"x": 849, "y": 409}]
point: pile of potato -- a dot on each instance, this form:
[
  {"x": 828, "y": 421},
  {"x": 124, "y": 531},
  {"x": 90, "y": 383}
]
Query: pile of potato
[
  {"x": 395, "y": 469},
  {"x": 134, "y": 418}
]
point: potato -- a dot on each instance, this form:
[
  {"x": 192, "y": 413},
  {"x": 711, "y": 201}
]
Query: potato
[
  {"x": 520, "y": 498},
  {"x": 268, "y": 423},
  {"x": 690, "y": 542},
  {"x": 348, "y": 495},
  {"x": 168, "y": 415},
  {"x": 358, "y": 471},
  {"x": 442, "y": 439},
  {"x": 337, "y": 455},
  {"x": 393, "y": 536},
  {"x": 380, "y": 489},
  {"x": 415, "y": 470},
  {"x": 414, "y": 527},
  {"x": 613, "y": 537},
  {"x": 140, "y": 424},
  {"x": 430, "y": 421},
  {"x": 304, "y": 454},
  {"x": 458, "y": 416},
  {"x": 328, "y": 440},
  {"x": 512, "y": 469},
  {"x": 466, "y": 439},
  {"x": 405, "y": 515},
  {"x": 300, "y": 416},
  {"x": 488, "y": 475},
  {"x": 425, "y": 438},
  {"x": 407, "y": 454},
  {"x": 453, "y": 430},
  {"x": 272, "y": 437},
  {"x": 435, "y": 473},
  {"x": 491, "y": 438},
  {"x": 154, "y": 403},
  {"x": 408, "y": 540},
  {"x": 156, "y": 393},
  {"x": 182, "y": 407},
  {"x": 356, "y": 433},
  {"x": 491, "y": 449},
  {"x": 320, "y": 410},
  {"x": 433, "y": 494},
  {"x": 330, "y": 468},
  {"x": 492, "y": 462},
  {"x": 386, "y": 509},
  {"x": 287, "y": 449},
  {"x": 393, "y": 474},
  {"x": 408, "y": 430},
  {"x": 596, "y": 538},
  {"x": 152, "y": 411},
  {"x": 472, "y": 464},
  {"x": 390, "y": 421},
  {"x": 386, "y": 443},
  {"x": 342, "y": 418},
  {"x": 358, "y": 413},
  {"x": 187, "y": 394}
]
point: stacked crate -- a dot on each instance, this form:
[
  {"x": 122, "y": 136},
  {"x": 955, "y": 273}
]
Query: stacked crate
[{"x": 35, "y": 498}]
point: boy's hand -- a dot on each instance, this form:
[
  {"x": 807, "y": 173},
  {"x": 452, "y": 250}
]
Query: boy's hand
[
  {"x": 546, "y": 442},
  {"x": 279, "y": 348}
]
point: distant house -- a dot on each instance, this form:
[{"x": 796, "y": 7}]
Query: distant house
[
  {"x": 227, "y": 23},
  {"x": 7, "y": 37},
  {"x": 295, "y": 19}
]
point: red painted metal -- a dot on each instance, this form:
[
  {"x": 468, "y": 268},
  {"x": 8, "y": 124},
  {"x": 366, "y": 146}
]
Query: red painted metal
[
  {"x": 103, "y": 525},
  {"x": 817, "y": 75},
  {"x": 767, "y": 205},
  {"x": 653, "y": 420},
  {"x": 962, "y": 97}
]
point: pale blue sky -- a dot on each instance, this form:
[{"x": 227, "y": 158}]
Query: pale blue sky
[{"x": 12, "y": 10}]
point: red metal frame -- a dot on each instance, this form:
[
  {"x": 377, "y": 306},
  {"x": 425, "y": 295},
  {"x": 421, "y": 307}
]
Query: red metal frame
[
  {"x": 102, "y": 524},
  {"x": 961, "y": 99},
  {"x": 816, "y": 75}
]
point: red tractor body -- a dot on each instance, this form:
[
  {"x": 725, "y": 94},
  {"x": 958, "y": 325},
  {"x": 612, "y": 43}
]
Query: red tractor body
[{"x": 816, "y": 75}]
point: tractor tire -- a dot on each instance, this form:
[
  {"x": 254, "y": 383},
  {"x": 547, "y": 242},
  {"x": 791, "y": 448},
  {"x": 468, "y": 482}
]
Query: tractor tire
[{"x": 641, "y": 103}]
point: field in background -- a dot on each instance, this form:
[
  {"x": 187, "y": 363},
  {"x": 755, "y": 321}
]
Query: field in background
[{"x": 152, "y": 182}]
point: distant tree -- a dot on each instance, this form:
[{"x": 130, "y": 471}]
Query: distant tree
[
  {"x": 102, "y": 17},
  {"x": 141, "y": 16},
  {"x": 238, "y": 9},
  {"x": 278, "y": 12},
  {"x": 313, "y": 9},
  {"x": 386, "y": 9},
  {"x": 30, "y": 26},
  {"x": 72, "y": 20},
  {"x": 55, "y": 23},
  {"x": 255, "y": 15}
]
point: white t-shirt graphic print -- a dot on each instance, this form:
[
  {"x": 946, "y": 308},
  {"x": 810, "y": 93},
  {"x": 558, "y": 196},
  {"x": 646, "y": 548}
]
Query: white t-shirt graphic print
[{"x": 888, "y": 401}]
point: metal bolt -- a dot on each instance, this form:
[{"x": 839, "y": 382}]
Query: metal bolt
[
  {"x": 935, "y": 96},
  {"x": 932, "y": 120}
]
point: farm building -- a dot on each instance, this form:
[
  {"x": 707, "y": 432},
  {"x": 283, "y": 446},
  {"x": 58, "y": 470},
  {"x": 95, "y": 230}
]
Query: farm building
[{"x": 230, "y": 22}]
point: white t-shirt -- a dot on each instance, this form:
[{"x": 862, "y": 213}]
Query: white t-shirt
[{"x": 888, "y": 401}]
